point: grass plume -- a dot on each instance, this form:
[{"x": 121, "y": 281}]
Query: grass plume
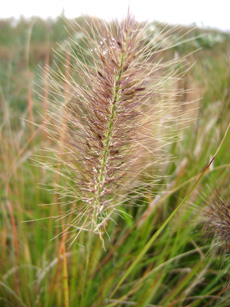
[
  {"x": 217, "y": 223},
  {"x": 111, "y": 117}
]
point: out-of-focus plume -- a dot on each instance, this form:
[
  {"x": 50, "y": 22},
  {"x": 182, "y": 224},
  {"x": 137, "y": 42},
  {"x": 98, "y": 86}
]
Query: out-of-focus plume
[{"x": 217, "y": 223}]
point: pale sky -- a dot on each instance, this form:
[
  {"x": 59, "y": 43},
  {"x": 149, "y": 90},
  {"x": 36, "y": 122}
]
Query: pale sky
[{"x": 212, "y": 13}]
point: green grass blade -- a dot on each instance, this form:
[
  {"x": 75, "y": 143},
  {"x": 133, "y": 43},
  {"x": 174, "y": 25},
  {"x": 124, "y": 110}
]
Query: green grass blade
[{"x": 158, "y": 232}]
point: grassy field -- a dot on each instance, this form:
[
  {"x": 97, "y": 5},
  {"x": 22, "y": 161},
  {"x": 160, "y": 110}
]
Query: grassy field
[{"x": 154, "y": 255}]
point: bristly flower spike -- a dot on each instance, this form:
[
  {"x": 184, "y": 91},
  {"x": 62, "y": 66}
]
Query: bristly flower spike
[
  {"x": 217, "y": 223},
  {"x": 110, "y": 118}
]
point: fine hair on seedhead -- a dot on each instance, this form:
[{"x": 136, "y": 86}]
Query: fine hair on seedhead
[{"x": 113, "y": 111}]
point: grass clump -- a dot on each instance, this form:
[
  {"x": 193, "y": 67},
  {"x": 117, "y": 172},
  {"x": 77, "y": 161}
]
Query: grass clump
[{"x": 118, "y": 93}]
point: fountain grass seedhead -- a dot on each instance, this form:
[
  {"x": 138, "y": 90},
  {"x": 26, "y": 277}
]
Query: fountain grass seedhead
[
  {"x": 112, "y": 114},
  {"x": 217, "y": 223}
]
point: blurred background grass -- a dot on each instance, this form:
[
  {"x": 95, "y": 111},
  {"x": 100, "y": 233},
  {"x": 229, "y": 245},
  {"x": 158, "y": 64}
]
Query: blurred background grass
[{"x": 181, "y": 268}]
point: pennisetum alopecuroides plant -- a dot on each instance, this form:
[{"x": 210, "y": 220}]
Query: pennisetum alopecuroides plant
[{"x": 113, "y": 111}]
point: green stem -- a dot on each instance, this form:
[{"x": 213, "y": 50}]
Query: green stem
[{"x": 110, "y": 128}]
